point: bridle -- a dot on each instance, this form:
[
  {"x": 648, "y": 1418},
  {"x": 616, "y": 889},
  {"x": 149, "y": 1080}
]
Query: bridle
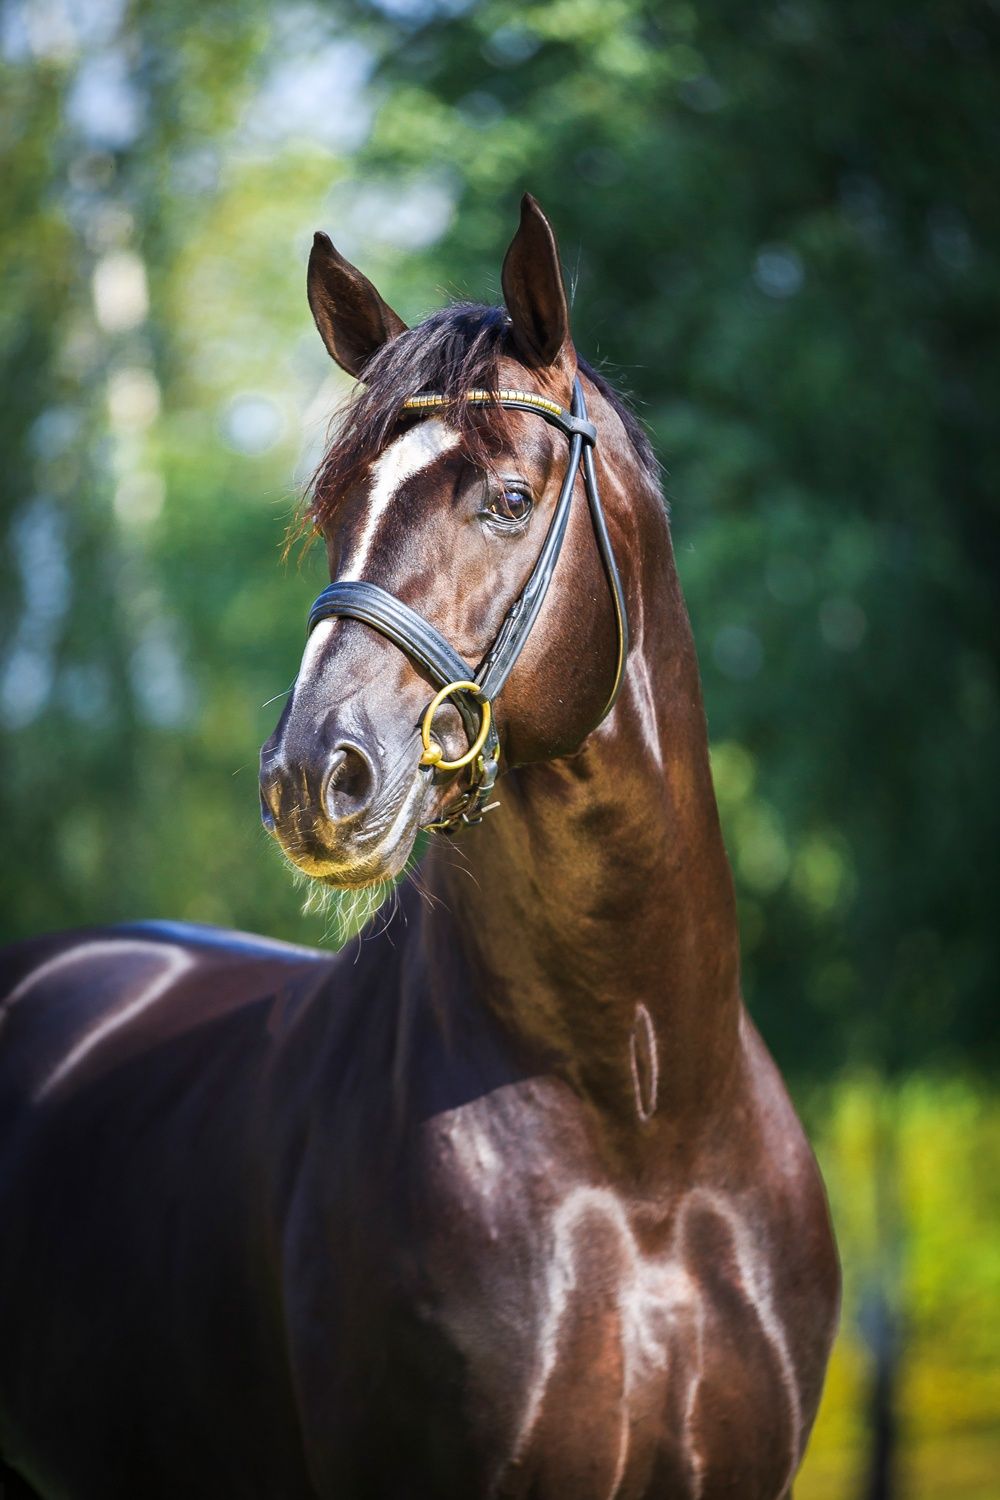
[
  {"x": 475, "y": 689},
  {"x": 358, "y": 600}
]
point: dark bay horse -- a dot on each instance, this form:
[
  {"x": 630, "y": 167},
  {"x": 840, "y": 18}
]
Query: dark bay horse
[{"x": 509, "y": 1200}]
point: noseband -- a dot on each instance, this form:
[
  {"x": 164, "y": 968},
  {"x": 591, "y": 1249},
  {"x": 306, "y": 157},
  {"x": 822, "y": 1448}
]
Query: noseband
[{"x": 474, "y": 690}]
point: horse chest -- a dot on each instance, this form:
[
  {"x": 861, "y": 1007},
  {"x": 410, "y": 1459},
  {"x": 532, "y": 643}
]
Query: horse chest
[{"x": 606, "y": 1351}]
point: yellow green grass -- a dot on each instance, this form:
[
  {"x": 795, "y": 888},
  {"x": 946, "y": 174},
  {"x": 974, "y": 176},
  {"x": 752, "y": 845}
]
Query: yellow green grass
[{"x": 913, "y": 1173}]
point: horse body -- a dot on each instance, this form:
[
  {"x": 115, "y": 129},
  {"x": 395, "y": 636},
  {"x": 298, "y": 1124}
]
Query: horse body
[
  {"x": 372, "y": 1252},
  {"x": 510, "y": 1201}
]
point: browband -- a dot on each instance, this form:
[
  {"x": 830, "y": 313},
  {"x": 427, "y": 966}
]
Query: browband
[{"x": 567, "y": 421}]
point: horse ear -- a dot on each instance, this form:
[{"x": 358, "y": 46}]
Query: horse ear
[
  {"x": 535, "y": 295},
  {"x": 352, "y": 318}
]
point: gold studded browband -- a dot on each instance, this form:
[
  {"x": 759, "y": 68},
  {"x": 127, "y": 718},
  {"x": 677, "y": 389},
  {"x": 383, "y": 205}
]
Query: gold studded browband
[
  {"x": 567, "y": 421},
  {"x": 523, "y": 398}
]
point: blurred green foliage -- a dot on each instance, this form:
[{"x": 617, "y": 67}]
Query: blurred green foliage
[
  {"x": 783, "y": 231},
  {"x": 782, "y": 228}
]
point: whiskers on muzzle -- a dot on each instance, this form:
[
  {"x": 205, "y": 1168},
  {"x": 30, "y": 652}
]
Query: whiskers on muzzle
[
  {"x": 360, "y": 852},
  {"x": 346, "y": 911}
]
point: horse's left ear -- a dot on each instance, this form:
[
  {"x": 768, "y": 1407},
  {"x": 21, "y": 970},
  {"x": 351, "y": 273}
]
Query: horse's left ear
[
  {"x": 535, "y": 295},
  {"x": 353, "y": 320}
]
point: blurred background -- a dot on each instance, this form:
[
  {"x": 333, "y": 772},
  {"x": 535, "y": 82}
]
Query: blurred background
[{"x": 782, "y": 226}]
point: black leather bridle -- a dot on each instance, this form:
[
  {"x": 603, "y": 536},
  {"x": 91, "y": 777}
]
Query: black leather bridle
[{"x": 427, "y": 647}]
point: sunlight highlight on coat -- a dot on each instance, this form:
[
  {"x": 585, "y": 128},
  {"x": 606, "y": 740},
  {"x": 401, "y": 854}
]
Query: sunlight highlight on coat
[
  {"x": 172, "y": 963},
  {"x": 661, "y": 1310},
  {"x": 475, "y": 1151},
  {"x": 654, "y": 1300},
  {"x": 645, "y": 703},
  {"x": 315, "y": 646},
  {"x": 54, "y": 965},
  {"x": 755, "y": 1279},
  {"x": 644, "y": 1064}
]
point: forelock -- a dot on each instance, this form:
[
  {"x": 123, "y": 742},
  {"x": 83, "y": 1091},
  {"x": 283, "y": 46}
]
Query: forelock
[{"x": 452, "y": 351}]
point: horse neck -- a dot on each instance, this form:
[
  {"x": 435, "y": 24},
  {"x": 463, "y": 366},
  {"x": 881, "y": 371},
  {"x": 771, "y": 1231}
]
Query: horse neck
[{"x": 594, "y": 914}]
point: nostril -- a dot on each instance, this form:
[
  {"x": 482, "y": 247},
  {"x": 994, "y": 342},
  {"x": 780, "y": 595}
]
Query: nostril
[
  {"x": 350, "y": 783},
  {"x": 266, "y": 815}
]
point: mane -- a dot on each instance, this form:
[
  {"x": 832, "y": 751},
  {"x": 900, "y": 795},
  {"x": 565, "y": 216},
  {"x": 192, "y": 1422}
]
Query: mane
[{"x": 451, "y": 352}]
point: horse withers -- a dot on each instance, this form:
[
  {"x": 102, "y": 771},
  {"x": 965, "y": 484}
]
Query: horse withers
[{"x": 509, "y": 1200}]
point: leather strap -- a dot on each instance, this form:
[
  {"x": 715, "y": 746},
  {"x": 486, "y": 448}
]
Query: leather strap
[
  {"x": 570, "y": 422},
  {"x": 357, "y": 600},
  {"x": 512, "y": 637},
  {"x": 606, "y": 550},
  {"x": 404, "y": 627}
]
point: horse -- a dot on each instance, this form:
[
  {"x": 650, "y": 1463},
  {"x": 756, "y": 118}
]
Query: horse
[{"x": 508, "y": 1199}]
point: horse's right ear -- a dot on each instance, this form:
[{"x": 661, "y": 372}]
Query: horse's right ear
[
  {"x": 536, "y": 297},
  {"x": 352, "y": 318}
]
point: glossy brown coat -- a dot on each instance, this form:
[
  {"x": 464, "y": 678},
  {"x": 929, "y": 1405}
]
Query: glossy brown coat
[{"x": 508, "y": 1200}]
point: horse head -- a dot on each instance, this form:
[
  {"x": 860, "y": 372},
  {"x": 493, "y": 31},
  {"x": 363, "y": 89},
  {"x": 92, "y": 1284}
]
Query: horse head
[{"x": 445, "y": 504}]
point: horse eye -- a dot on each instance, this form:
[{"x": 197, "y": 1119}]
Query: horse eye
[{"x": 510, "y": 505}]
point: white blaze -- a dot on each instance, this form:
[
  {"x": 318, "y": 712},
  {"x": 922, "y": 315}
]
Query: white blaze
[{"x": 416, "y": 449}]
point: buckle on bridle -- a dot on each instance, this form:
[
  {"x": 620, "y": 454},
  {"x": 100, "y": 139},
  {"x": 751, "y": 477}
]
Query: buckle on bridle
[
  {"x": 462, "y": 815},
  {"x": 472, "y": 807}
]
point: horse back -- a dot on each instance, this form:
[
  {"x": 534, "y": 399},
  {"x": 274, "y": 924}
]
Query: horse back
[{"x": 137, "y": 1192}]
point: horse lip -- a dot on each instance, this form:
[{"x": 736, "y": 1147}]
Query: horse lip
[{"x": 367, "y": 855}]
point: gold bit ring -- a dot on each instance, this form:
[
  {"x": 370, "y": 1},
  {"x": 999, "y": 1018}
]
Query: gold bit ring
[{"x": 433, "y": 754}]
